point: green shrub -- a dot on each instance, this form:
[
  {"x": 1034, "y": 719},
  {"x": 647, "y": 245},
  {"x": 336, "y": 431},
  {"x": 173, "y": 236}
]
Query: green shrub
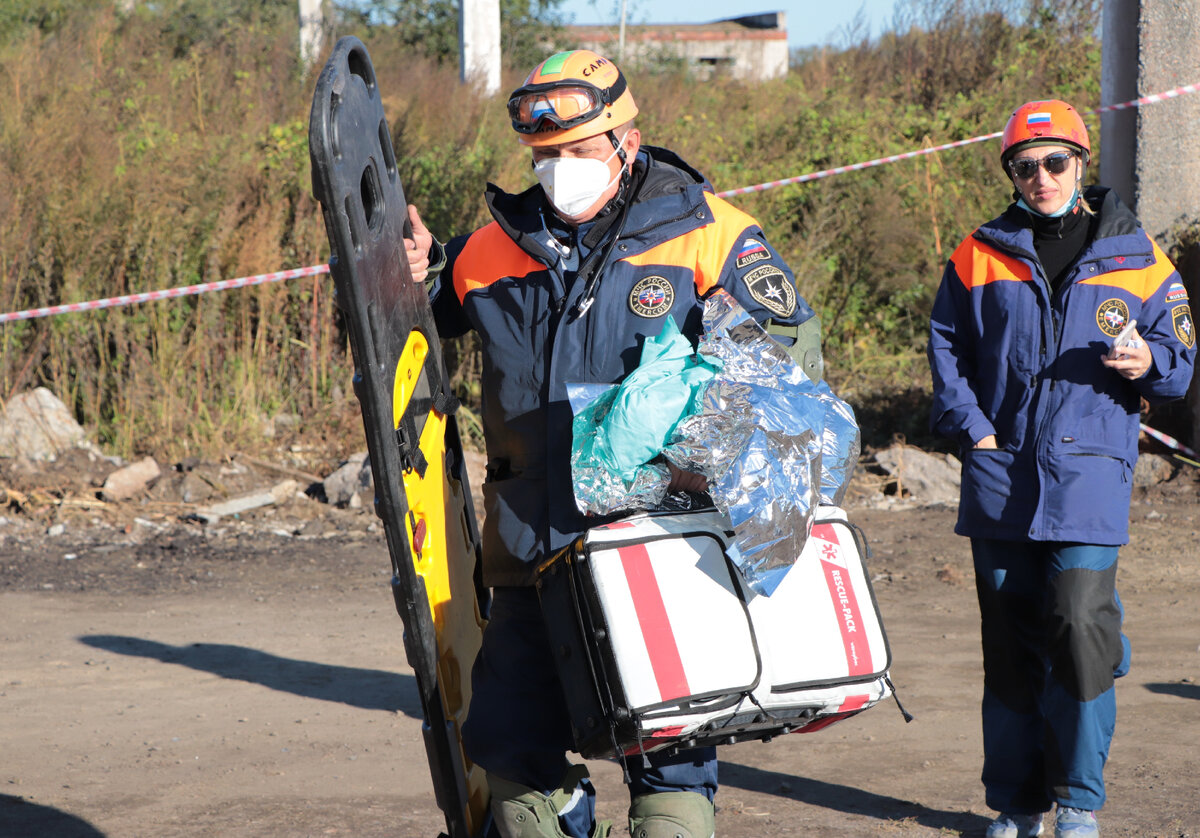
[{"x": 168, "y": 146}]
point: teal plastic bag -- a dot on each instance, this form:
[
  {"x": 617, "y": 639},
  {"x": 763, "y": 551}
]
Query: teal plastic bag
[{"x": 622, "y": 430}]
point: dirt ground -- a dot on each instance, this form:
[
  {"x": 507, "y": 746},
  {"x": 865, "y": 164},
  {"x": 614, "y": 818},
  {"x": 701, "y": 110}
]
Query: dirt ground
[{"x": 162, "y": 677}]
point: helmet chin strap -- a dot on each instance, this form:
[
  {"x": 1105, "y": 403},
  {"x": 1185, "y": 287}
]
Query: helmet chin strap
[
  {"x": 618, "y": 145},
  {"x": 619, "y": 148}
]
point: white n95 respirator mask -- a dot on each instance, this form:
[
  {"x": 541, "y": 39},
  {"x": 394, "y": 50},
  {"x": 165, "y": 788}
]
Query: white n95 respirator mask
[{"x": 572, "y": 184}]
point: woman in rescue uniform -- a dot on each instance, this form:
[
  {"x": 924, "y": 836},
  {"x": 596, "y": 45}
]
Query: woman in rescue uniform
[
  {"x": 1045, "y": 409},
  {"x": 563, "y": 287}
]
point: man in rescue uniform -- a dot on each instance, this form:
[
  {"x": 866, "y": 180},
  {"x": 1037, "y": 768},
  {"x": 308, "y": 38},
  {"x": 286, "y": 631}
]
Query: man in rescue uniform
[
  {"x": 563, "y": 287},
  {"x": 1045, "y": 408}
]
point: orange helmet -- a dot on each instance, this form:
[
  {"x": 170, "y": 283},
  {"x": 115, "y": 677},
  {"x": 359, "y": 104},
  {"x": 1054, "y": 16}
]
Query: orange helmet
[
  {"x": 570, "y": 96},
  {"x": 1046, "y": 122}
]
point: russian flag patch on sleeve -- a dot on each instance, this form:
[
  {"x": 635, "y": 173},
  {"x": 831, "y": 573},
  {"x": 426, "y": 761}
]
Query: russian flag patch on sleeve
[{"x": 752, "y": 251}]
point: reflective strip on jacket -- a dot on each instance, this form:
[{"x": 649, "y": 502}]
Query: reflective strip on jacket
[
  {"x": 680, "y": 242},
  {"x": 1009, "y": 360}
]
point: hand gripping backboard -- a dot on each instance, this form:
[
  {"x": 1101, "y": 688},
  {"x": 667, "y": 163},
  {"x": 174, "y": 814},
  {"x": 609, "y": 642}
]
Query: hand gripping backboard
[{"x": 421, "y": 489}]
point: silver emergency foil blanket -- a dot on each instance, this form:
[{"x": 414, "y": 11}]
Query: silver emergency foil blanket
[{"x": 771, "y": 443}]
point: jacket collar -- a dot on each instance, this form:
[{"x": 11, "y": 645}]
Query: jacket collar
[{"x": 1117, "y": 233}]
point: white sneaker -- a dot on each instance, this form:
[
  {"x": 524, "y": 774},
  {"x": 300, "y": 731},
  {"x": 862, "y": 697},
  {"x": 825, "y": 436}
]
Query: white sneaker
[
  {"x": 1075, "y": 823},
  {"x": 1015, "y": 826}
]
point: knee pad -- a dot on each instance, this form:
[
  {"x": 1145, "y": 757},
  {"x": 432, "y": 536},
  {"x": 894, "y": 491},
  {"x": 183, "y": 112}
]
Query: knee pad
[
  {"x": 521, "y": 812},
  {"x": 672, "y": 814},
  {"x": 1086, "y": 644}
]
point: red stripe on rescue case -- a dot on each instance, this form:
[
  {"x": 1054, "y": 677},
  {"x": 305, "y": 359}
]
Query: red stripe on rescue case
[
  {"x": 660, "y": 733},
  {"x": 654, "y": 622},
  {"x": 854, "y": 702},
  {"x": 845, "y": 603}
]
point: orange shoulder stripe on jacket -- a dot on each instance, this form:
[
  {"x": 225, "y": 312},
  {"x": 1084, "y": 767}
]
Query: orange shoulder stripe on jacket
[
  {"x": 977, "y": 265},
  {"x": 703, "y": 250},
  {"x": 1141, "y": 282},
  {"x": 490, "y": 255}
]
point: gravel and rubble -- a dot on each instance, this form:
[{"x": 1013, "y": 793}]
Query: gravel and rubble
[
  {"x": 79, "y": 494},
  {"x": 54, "y": 481}
]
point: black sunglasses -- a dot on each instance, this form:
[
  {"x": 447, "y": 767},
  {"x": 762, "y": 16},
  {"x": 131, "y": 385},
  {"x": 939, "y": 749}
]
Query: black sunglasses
[{"x": 1055, "y": 164}]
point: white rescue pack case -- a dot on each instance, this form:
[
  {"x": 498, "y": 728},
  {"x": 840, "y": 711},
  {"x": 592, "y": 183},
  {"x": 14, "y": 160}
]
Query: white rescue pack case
[{"x": 660, "y": 644}]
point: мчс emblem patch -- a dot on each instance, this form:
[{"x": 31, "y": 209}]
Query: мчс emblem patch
[
  {"x": 1185, "y": 327},
  {"x": 752, "y": 251},
  {"x": 652, "y": 296},
  {"x": 768, "y": 285},
  {"x": 1111, "y": 316}
]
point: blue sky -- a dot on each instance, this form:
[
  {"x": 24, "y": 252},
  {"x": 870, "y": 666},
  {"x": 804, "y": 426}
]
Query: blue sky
[{"x": 809, "y": 22}]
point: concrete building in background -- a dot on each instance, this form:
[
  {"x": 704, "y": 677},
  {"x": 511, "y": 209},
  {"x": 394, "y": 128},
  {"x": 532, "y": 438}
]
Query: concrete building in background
[{"x": 752, "y": 47}]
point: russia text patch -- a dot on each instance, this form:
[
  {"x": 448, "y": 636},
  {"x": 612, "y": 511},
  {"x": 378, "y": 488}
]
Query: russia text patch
[
  {"x": 1176, "y": 292},
  {"x": 752, "y": 251}
]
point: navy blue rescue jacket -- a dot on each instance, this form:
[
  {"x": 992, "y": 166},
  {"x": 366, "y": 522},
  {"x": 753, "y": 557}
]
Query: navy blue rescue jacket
[
  {"x": 506, "y": 282},
  {"x": 1011, "y": 359}
]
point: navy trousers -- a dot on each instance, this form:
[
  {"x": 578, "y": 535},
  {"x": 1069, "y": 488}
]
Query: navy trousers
[
  {"x": 518, "y": 726},
  {"x": 1052, "y": 646}
]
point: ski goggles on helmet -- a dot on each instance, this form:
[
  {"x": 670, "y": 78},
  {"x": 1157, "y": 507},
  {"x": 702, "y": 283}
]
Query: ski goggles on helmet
[
  {"x": 561, "y": 104},
  {"x": 1055, "y": 164}
]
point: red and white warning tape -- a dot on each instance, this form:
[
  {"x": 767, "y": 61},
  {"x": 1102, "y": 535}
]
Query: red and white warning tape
[
  {"x": 259, "y": 279},
  {"x": 1168, "y": 441},
  {"x": 879, "y": 161},
  {"x": 187, "y": 290},
  {"x": 1151, "y": 99}
]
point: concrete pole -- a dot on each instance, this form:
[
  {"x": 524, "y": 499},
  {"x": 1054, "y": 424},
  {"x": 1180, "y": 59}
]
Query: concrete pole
[
  {"x": 621, "y": 39},
  {"x": 479, "y": 44},
  {"x": 312, "y": 31},
  {"x": 1151, "y": 155},
  {"x": 1119, "y": 83},
  {"x": 1167, "y": 171}
]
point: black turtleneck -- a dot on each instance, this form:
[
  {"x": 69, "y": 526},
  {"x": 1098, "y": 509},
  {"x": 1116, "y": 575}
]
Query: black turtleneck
[{"x": 1059, "y": 241}]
